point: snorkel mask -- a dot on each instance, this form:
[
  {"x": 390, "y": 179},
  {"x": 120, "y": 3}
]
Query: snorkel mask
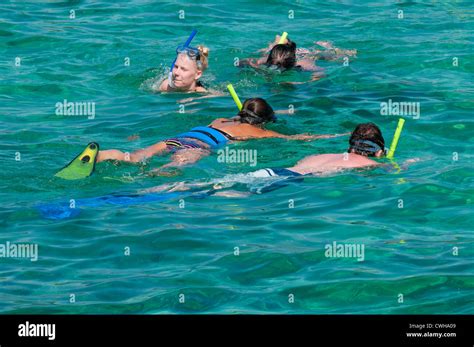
[
  {"x": 367, "y": 146},
  {"x": 253, "y": 115},
  {"x": 191, "y": 52}
]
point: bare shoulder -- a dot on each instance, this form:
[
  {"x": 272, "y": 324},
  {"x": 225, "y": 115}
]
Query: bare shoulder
[
  {"x": 219, "y": 121},
  {"x": 162, "y": 86},
  {"x": 228, "y": 123},
  {"x": 201, "y": 90},
  {"x": 307, "y": 64},
  {"x": 360, "y": 159}
]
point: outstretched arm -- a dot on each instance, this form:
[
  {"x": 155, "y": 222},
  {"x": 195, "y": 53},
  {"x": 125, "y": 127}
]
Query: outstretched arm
[
  {"x": 175, "y": 187},
  {"x": 213, "y": 94},
  {"x": 308, "y": 65},
  {"x": 217, "y": 189},
  {"x": 408, "y": 162},
  {"x": 314, "y": 77},
  {"x": 252, "y": 62},
  {"x": 309, "y": 137},
  {"x": 331, "y": 52},
  {"x": 262, "y": 133},
  {"x": 393, "y": 166}
]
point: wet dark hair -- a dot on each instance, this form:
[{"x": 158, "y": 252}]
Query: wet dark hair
[
  {"x": 256, "y": 111},
  {"x": 283, "y": 56},
  {"x": 366, "y": 139}
]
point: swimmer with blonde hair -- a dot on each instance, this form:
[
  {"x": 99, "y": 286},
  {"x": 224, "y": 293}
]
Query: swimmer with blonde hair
[{"x": 190, "y": 64}]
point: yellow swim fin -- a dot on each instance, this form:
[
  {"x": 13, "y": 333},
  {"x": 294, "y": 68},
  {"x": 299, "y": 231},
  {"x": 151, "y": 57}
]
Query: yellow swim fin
[{"x": 81, "y": 166}]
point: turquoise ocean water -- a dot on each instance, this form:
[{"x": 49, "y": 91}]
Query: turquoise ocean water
[{"x": 423, "y": 251}]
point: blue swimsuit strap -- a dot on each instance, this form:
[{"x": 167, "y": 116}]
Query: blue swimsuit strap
[{"x": 207, "y": 135}]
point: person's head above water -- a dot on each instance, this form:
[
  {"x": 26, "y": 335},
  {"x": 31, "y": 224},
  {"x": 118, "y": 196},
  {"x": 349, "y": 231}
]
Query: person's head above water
[
  {"x": 283, "y": 56},
  {"x": 190, "y": 64},
  {"x": 367, "y": 140},
  {"x": 256, "y": 111}
]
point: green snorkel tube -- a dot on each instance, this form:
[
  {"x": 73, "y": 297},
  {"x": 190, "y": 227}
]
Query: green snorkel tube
[
  {"x": 396, "y": 136},
  {"x": 234, "y": 96},
  {"x": 283, "y": 38},
  {"x": 237, "y": 100},
  {"x": 186, "y": 44},
  {"x": 393, "y": 145}
]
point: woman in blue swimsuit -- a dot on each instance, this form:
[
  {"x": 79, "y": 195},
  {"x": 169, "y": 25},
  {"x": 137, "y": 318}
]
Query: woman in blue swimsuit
[{"x": 189, "y": 147}]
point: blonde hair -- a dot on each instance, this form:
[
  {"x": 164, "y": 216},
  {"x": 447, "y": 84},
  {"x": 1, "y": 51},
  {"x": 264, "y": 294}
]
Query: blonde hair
[{"x": 204, "y": 57}]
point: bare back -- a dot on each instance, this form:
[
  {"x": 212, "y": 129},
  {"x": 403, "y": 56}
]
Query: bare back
[
  {"x": 326, "y": 163},
  {"x": 241, "y": 130}
]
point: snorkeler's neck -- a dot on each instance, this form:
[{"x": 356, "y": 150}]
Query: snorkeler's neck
[
  {"x": 182, "y": 89},
  {"x": 191, "y": 88}
]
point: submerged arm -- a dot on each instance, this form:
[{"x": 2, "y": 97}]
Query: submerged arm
[
  {"x": 252, "y": 62},
  {"x": 331, "y": 52},
  {"x": 314, "y": 77},
  {"x": 212, "y": 94},
  {"x": 262, "y": 133},
  {"x": 308, "y": 137}
]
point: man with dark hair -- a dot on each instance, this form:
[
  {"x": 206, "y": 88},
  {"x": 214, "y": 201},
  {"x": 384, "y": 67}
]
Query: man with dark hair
[{"x": 366, "y": 141}]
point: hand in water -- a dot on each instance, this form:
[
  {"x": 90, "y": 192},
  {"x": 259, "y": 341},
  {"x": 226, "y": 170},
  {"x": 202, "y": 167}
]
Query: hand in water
[
  {"x": 164, "y": 172},
  {"x": 308, "y": 137},
  {"x": 411, "y": 161},
  {"x": 133, "y": 137},
  {"x": 185, "y": 101},
  {"x": 331, "y": 136},
  {"x": 161, "y": 188},
  {"x": 325, "y": 44},
  {"x": 232, "y": 194}
]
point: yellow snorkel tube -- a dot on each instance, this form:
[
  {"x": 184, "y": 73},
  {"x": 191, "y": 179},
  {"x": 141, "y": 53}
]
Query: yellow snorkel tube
[
  {"x": 234, "y": 96},
  {"x": 393, "y": 145},
  {"x": 396, "y": 136},
  {"x": 283, "y": 38}
]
